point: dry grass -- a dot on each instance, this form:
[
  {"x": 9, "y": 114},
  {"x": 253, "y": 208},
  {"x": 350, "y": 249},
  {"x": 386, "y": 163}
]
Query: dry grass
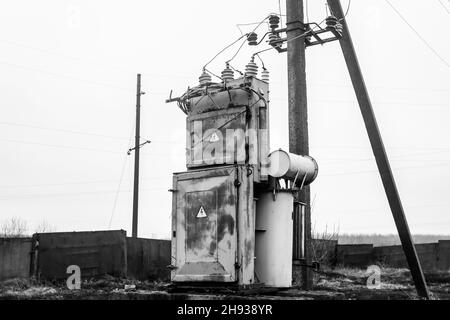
[{"x": 387, "y": 239}]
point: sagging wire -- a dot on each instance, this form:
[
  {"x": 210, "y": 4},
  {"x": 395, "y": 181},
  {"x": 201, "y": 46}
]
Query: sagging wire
[
  {"x": 348, "y": 8},
  {"x": 346, "y": 11},
  {"x": 228, "y": 46},
  {"x": 239, "y": 49},
  {"x": 238, "y": 71},
  {"x": 443, "y": 6},
  {"x": 307, "y": 11},
  {"x": 236, "y": 53},
  {"x": 213, "y": 74},
  {"x": 417, "y": 33},
  {"x": 262, "y": 62},
  {"x": 116, "y": 197},
  {"x": 279, "y": 9},
  {"x": 247, "y": 24}
]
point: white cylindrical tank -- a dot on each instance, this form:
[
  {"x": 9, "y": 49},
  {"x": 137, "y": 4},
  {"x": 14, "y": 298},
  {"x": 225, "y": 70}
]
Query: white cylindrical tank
[
  {"x": 273, "y": 243},
  {"x": 286, "y": 165}
]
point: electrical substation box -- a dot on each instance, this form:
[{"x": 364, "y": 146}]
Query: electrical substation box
[
  {"x": 226, "y": 189},
  {"x": 213, "y": 225},
  {"x": 228, "y": 124}
]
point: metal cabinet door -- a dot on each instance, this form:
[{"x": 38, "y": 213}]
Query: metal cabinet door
[
  {"x": 217, "y": 138},
  {"x": 204, "y": 243}
]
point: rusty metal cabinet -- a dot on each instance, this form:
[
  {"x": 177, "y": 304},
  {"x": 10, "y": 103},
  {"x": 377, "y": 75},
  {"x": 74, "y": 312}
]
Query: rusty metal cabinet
[{"x": 213, "y": 225}]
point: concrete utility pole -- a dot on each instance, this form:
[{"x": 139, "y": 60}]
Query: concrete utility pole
[
  {"x": 298, "y": 129},
  {"x": 136, "y": 158},
  {"x": 379, "y": 151}
]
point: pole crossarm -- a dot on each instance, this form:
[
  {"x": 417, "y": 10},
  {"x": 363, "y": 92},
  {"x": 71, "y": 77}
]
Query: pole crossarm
[{"x": 143, "y": 143}]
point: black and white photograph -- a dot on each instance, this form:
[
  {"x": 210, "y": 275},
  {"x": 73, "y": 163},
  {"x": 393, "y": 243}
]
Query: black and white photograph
[{"x": 224, "y": 159}]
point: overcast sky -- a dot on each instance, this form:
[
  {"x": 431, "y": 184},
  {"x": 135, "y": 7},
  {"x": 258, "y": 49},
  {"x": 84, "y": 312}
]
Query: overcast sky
[{"x": 67, "y": 106}]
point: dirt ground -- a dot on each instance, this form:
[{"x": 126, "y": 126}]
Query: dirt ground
[{"x": 336, "y": 284}]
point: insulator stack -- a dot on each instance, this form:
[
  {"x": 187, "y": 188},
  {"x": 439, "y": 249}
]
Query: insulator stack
[
  {"x": 227, "y": 74},
  {"x": 252, "y": 39},
  {"x": 273, "y": 37},
  {"x": 331, "y": 22},
  {"x": 205, "y": 78},
  {"x": 251, "y": 69},
  {"x": 265, "y": 75},
  {"x": 274, "y": 21},
  {"x": 339, "y": 27}
]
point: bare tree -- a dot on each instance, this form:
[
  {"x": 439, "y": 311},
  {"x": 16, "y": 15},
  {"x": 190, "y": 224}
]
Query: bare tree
[
  {"x": 13, "y": 228},
  {"x": 44, "y": 226},
  {"x": 323, "y": 244}
]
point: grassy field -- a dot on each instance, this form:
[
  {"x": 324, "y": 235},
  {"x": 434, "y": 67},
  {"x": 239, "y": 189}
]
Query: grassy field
[{"x": 396, "y": 284}]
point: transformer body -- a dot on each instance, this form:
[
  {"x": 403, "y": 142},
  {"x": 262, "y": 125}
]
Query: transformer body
[
  {"x": 229, "y": 125},
  {"x": 227, "y": 189}
]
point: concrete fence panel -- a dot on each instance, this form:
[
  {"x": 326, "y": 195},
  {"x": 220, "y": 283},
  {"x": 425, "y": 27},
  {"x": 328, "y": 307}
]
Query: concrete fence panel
[
  {"x": 444, "y": 255},
  {"x": 354, "y": 255},
  {"x": 96, "y": 253},
  {"x": 148, "y": 259},
  {"x": 394, "y": 256},
  {"x": 14, "y": 258}
]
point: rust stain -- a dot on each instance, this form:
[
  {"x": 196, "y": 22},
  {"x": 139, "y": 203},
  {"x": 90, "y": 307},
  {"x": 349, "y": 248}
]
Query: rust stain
[
  {"x": 212, "y": 247},
  {"x": 226, "y": 224},
  {"x": 248, "y": 251}
]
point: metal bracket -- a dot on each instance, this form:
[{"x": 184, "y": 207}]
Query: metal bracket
[
  {"x": 139, "y": 146},
  {"x": 315, "y": 265}
]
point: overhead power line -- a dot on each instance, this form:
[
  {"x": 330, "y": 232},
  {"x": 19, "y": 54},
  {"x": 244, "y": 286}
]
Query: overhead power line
[
  {"x": 95, "y": 63},
  {"x": 418, "y": 34},
  {"x": 70, "y": 194},
  {"x": 60, "y": 75},
  {"x": 444, "y": 6},
  {"x": 394, "y": 169},
  {"x": 73, "y": 183},
  {"x": 78, "y": 148},
  {"x": 61, "y": 130},
  {"x": 76, "y": 132},
  {"x": 120, "y": 180},
  {"x": 348, "y": 8}
]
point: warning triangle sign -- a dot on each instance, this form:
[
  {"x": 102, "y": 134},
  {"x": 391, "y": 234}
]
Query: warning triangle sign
[
  {"x": 201, "y": 213},
  {"x": 214, "y": 137}
]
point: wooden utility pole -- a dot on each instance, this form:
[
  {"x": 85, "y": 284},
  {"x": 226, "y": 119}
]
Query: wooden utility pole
[
  {"x": 298, "y": 130},
  {"x": 379, "y": 151},
  {"x": 136, "y": 158}
]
